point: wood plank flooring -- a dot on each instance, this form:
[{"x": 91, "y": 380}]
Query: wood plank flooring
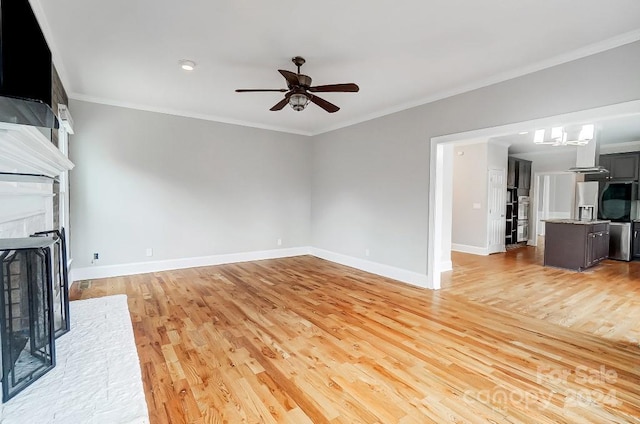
[
  {"x": 603, "y": 300},
  {"x": 302, "y": 340}
]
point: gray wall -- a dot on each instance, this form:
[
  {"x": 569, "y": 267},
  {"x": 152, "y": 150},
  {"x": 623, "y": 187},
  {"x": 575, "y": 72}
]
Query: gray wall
[
  {"x": 469, "y": 225},
  {"x": 184, "y": 187},
  {"x": 561, "y": 196},
  {"x": 189, "y": 188},
  {"x": 549, "y": 161},
  {"x": 370, "y": 181}
]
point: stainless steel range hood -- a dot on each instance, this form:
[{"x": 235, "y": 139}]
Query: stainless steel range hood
[
  {"x": 587, "y": 160},
  {"x": 589, "y": 170}
]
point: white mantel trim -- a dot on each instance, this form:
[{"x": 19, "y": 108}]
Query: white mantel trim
[{"x": 25, "y": 150}]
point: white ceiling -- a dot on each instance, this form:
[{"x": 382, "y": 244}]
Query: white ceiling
[{"x": 400, "y": 53}]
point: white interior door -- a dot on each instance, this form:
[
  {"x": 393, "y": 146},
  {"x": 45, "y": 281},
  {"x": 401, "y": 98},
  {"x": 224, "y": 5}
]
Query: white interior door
[{"x": 497, "y": 204}]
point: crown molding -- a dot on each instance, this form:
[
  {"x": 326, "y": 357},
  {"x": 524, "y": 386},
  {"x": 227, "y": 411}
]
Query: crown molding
[
  {"x": 611, "y": 43},
  {"x": 576, "y": 54},
  {"x": 621, "y": 40},
  {"x": 185, "y": 114}
]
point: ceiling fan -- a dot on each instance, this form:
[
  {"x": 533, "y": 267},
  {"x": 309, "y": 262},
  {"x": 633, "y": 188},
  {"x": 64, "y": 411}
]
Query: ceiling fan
[{"x": 300, "y": 92}]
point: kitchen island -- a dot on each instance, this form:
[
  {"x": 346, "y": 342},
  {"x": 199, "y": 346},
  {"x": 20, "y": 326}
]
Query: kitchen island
[{"x": 574, "y": 244}]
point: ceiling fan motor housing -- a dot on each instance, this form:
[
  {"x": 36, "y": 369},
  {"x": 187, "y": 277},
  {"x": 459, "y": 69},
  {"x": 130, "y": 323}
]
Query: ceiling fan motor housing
[{"x": 304, "y": 80}]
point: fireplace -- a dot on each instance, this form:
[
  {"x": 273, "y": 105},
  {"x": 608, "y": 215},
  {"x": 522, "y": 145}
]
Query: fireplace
[
  {"x": 59, "y": 281},
  {"x": 34, "y": 307},
  {"x": 26, "y": 313},
  {"x": 34, "y": 302}
]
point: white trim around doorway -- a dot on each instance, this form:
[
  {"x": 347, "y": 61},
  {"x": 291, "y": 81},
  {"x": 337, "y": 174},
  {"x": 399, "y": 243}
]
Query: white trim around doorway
[{"x": 440, "y": 175}]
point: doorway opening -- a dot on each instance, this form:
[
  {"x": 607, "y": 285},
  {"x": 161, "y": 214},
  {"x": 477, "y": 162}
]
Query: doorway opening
[
  {"x": 441, "y": 176},
  {"x": 554, "y": 197}
]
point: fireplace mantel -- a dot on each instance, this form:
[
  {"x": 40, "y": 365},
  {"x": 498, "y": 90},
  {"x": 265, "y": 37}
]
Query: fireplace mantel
[
  {"x": 25, "y": 150},
  {"x": 26, "y": 202}
]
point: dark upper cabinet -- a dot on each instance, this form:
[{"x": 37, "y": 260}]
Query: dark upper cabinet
[
  {"x": 519, "y": 173},
  {"x": 621, "y": 166},
  {"x": 511, "y": 173},
  {"x": 524, "y": 174}
]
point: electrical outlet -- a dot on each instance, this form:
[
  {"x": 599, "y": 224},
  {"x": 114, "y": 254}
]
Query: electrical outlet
[
  {"x": 279, "y": 241},
  {"x": 366, "y": 252},
  {"x": 149, "y": 251},
  {"x": 96, "y": 256}
]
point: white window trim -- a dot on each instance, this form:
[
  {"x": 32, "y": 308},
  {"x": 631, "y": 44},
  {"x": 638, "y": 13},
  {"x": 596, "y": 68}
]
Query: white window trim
[{"x": 64, "y": 204}]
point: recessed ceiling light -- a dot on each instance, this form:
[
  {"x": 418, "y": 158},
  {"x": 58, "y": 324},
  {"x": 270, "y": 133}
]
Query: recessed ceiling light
[
  {"x": 523, "y": 132},
  {"x": 187, "y": 65}
]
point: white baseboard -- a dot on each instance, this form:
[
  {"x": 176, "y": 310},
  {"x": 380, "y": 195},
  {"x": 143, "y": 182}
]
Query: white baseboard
[
  {"x": 410, "y": 277},
  {"x": 446, "y": 266},
  {"x": 474, "y": 250},
  {"x": 106, "y": 271}
]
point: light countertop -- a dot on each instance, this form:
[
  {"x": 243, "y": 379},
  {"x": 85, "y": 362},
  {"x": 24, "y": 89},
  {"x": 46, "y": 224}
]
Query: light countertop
[{"x": 576, "y": 221}]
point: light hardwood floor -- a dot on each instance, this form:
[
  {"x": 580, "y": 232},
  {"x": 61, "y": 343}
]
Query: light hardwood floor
[
  {"x": 302, "y": 340},
  {"x": 604, "y": 300}
]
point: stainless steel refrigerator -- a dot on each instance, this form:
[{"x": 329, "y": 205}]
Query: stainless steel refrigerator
[{"x": 586, "y": 201}]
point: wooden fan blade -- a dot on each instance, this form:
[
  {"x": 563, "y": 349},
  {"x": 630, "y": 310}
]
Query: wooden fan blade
[
  {"x": 329, "y": 107},
  {"x": 347, "y": 88},
  {"x": 291, "y": 77},
  {"x": 248, "y": 90},
  {"x": 282, "y": 103}
]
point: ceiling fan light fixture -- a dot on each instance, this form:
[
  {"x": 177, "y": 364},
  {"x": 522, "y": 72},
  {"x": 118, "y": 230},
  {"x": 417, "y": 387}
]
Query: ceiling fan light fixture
[
  {"x": 298, "y": 102},
  {"x": 557, "y": 133},
  {"x": 538, "y": 136},
  {"x": 586, "y": 133}
]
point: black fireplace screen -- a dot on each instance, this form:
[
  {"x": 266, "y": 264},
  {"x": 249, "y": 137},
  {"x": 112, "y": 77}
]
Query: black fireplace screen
[
  {"x": 60, "y": 281},
  {"x": 26, "y": 311}
]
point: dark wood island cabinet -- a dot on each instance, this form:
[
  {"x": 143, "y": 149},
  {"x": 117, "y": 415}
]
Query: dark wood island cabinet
[{"x": 575, "y": 245}]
